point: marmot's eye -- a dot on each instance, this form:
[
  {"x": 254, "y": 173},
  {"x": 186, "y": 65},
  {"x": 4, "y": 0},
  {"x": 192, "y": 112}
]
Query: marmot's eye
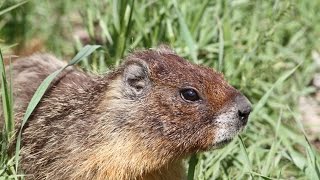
[{"x": 189, "y": 94}]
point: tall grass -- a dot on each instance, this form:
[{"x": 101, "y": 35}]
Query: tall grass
[
  {"x": 262, "y": 47},
  {"x": 7, "y": 170},
  {"x": 7, "y": 133}
]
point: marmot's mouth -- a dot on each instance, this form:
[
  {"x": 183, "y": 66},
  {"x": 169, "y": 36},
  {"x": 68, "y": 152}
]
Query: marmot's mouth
[{"x": 222, "y": 143}]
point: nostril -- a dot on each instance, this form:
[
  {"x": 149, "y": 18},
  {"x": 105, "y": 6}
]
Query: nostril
[
  {"x": 244, "y": 114},
  {"x": 244, "y": 108}
]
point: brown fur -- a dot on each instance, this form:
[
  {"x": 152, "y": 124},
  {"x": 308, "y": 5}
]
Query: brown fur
[{"x": 99, "y": 127}]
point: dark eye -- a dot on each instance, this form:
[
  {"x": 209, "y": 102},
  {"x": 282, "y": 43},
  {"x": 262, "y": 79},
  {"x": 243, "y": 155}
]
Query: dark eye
[{"x": 189, "y": 94}]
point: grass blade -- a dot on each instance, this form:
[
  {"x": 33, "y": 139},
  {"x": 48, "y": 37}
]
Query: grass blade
[
  {"x": 6, "y": 97},
  {"x": 244, "y": 151},
  {"x": 12, "y": 7},
  {"x": 192, "y": 166},
  {"x": 31, "y": 106},
  {"x": 273, "y": 149},
  {"x": 83, "y": 53}
]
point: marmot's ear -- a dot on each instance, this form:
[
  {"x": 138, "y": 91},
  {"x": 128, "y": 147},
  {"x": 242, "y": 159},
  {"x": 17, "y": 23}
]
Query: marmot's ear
[{"x": 136, "y": 78}]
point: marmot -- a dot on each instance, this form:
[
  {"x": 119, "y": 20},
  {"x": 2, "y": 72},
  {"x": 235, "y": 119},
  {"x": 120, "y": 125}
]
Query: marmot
[{"x": 137, "y": 122}]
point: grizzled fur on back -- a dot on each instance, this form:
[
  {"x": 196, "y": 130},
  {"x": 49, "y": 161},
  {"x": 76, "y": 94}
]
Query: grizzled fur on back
[{"x": 132, "y": 123}]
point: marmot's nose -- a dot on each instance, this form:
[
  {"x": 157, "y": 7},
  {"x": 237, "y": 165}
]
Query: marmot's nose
[{"x": 244, "y": 108}]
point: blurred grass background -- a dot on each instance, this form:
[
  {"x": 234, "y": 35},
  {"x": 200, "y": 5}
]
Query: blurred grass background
[{"x": 263, "y": 48}]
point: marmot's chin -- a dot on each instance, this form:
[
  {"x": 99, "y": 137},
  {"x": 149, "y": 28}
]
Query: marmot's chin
[{"x": 225, "y": 136}]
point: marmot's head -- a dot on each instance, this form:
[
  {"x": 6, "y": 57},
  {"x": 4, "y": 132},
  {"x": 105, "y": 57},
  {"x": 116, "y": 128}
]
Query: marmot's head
[{"x": 166, "y": 100}]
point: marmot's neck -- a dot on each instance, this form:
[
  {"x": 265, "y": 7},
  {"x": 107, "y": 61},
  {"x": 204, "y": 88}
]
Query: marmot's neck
[
  {"x": 133, "y": 156},
  {"x": 129, "y": 161}
]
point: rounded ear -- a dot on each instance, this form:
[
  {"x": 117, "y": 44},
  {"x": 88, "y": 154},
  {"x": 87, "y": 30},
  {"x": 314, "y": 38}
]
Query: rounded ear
[{"x": 136, "y": 78}]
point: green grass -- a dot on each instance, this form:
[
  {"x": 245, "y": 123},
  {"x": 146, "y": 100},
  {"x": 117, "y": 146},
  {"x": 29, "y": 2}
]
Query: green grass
[
  {"x": 7, "y": 170},
  {"x": 263, "y": 48}
]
